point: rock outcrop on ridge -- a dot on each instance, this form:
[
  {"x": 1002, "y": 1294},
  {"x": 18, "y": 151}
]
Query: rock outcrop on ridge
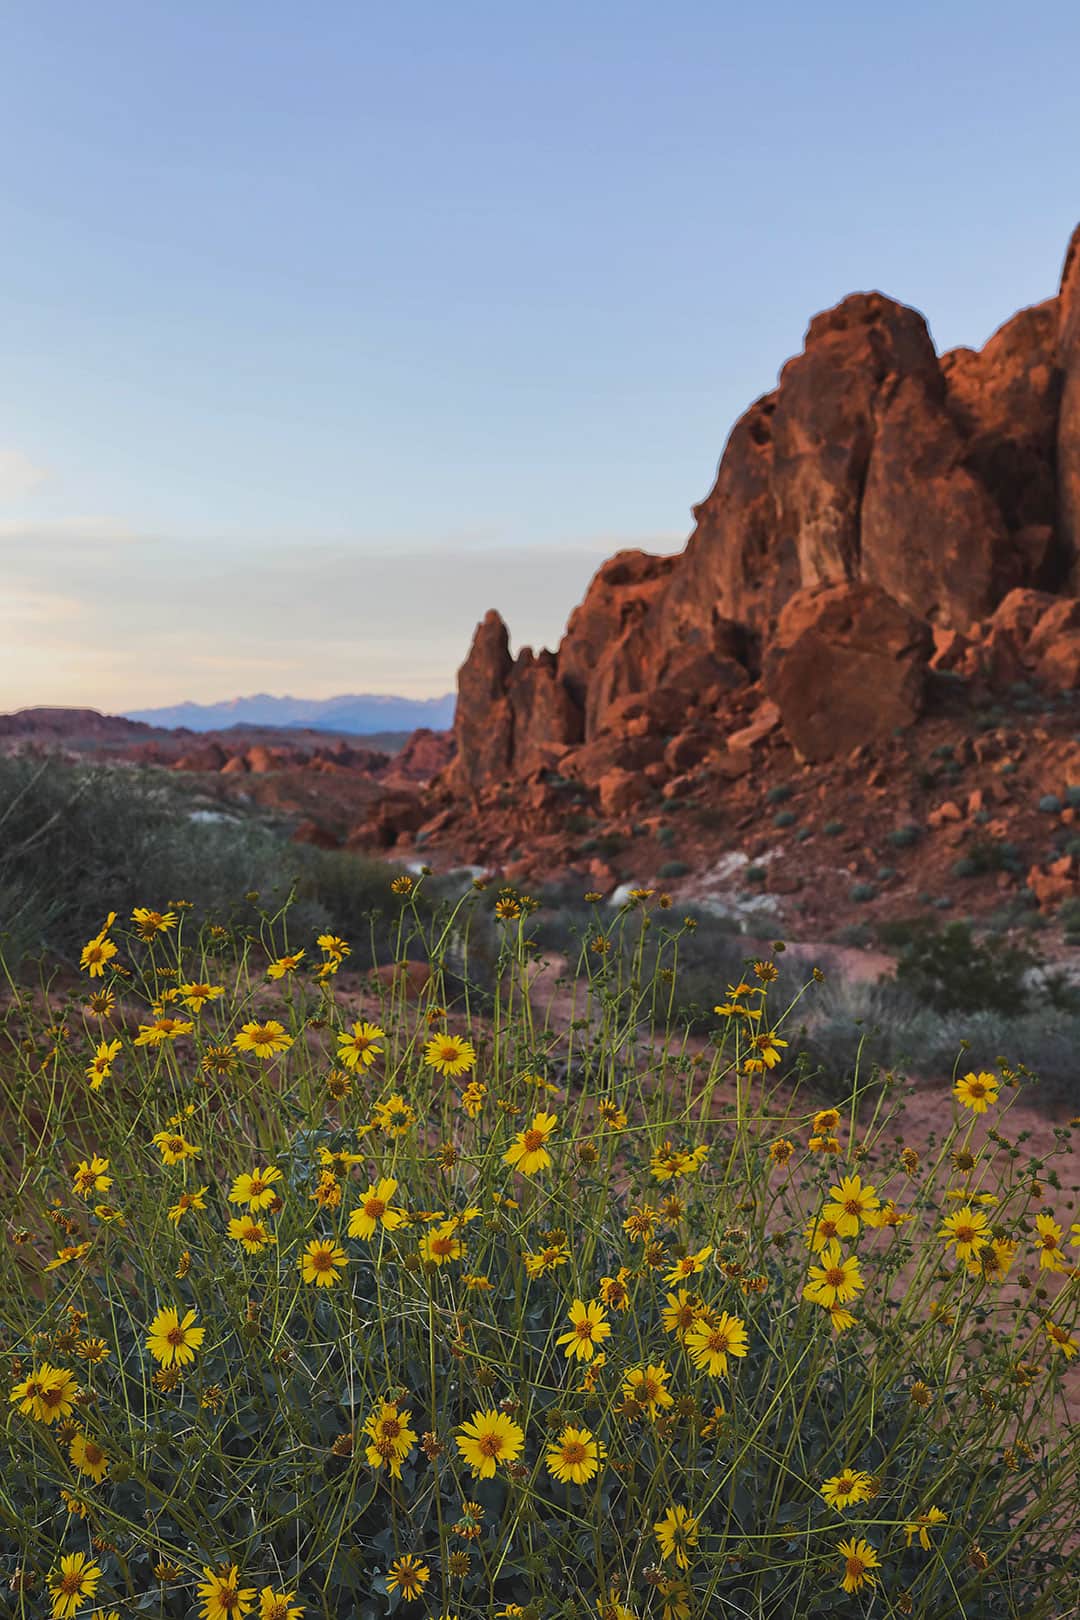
[{"x": 869, "y": 518}]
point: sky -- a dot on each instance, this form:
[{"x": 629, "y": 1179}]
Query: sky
[{"x": 324, "y": 328}]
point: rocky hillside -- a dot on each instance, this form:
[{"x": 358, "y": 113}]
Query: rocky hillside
[{"x": 890, "y": 550}]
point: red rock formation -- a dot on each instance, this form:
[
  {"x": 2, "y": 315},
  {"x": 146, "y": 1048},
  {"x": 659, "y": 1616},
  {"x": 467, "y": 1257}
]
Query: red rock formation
[
  {"x": 424, "y": 755},
  {"x": 1068, "y": 433},
  {"x": 847, "y": 665},
  {"x": 938, "y": 485}
]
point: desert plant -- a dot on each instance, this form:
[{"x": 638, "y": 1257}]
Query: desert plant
[{"x": 507, "y": 1313}]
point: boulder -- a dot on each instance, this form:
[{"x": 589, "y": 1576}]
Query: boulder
[
  {"x": 619, "y": 791},
  {"x": 847, "y": 666}
]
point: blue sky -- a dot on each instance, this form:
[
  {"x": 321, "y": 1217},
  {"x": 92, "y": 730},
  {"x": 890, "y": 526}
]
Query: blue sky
[{"x": 325, "y": 328}]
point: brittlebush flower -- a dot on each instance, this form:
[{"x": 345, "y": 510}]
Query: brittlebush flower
[
  {"x": 850, "y": 1203},
  {"x": 223, "y": 1596},
  {"x": 968, "y": 1229},
  {"x": 173, "y": 1340},
  {"x": 860, "y": 1560},
  {"x": 1048, "y": 1232},
  {"x": 284, "y": 964},
  {"x": 1061, "y": 1339},
  {"x": 488, "y": 1438},
  {"x": 149, "y": 924},
  {"x": 977, "y": 1091},
  {"x": 164, "y": 1028},
  {"x": 196, "y": 994},
  {"x": 99, "y": 1068},
  {"x": 689, "y": 1265},
  {"x": 442, "y": 1244},
  {"x": 374, "y": 1210},
  {"x": 251, "y": 1234},
  {"x": 848, "y": 1488},
  {"x": 836, "y": 1281},
  {"x": 73, "y": 1584},
  {"x": 358, "y": 1047},
  {"x": 528, "y": 1152},
  {"x": 263, "y": 1039},
  {"x": 88, "y": 1457},
  {"x": 645, "y": 1388},
  {"x": 322, "y": 1262},
  {"x": 278, "y": 1605},
  {"x": 196, "y": 1199},
  {"x": 589, "y": 1326},
  {"x": 922, "y": 1526},
  {"x": 450, "y": 1054},
  {"x": 767, "y": 1046},
  {"x": 575, "y": 1457},
  {"x": 256, "y": 1189},
  {"x": 408, "y": 1575},
  {"x": 677, "y": 1533},
  {"x": 96, "y": 954},
  {"x": 47, "y": 1394},
  {"x": 174, "y": 1148},
  {"x": 89, "y": 1177},
  {"x": 391, "y": 1439},
  {"x": 710, "y": 1342},
  {"x": 395, "y": 1116}
]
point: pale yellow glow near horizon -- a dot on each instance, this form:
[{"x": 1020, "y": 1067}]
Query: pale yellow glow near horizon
[{"x": 110, "y": 621}]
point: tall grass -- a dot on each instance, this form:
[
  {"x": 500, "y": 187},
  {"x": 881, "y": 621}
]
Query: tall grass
[{"x": 676, "y": 1190}]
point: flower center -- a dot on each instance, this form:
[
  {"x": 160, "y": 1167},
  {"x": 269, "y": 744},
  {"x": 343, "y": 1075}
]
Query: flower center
[
  {"x": 490, "y": 1445},
  {"x": 175, "y": 1336},
  {"x": 374, "y": 1209},
  {"x": 834, "y": 1277},
  {"x": 573, "y": 1452},
  {"x": 532, "y": 1140}
]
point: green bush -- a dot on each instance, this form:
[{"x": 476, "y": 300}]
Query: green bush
[
  {"x": 68, "y": 835},
  {"x": 950, "y": 970},
  {"x": 673, "y": 869}
]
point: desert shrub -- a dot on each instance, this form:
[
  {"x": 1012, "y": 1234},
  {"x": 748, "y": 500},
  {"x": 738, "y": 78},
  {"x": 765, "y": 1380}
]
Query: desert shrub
[
  {"x": 1050, "y": 804},
  {"x": 784, "y": 818},
  {"x": 904, "y": 837},
  {"x": 754, "y": 874},
  {"x": 949, "y": 969},
  {"x": 666, "y": 836},
  {"x": 863, "y": 891},
  {"x": 69, "y": 835},
  {"x": 833, "y": 829},
  {"x": 241, "y": 1348},
  {"x": 777, "y": 794},
  {"x": 673, "y": 869}
]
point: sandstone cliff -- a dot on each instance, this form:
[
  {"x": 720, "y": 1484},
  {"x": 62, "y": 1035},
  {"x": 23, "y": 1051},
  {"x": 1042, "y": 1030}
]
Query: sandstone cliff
[{"x": 868, "y": 518}]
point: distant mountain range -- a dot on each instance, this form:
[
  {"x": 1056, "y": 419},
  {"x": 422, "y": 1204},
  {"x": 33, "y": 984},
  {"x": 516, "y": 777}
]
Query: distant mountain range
[{"x": 363, "y": 714}]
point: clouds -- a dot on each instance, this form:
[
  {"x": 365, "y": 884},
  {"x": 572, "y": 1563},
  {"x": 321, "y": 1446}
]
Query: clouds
[{"x": 101, "y": 616}]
